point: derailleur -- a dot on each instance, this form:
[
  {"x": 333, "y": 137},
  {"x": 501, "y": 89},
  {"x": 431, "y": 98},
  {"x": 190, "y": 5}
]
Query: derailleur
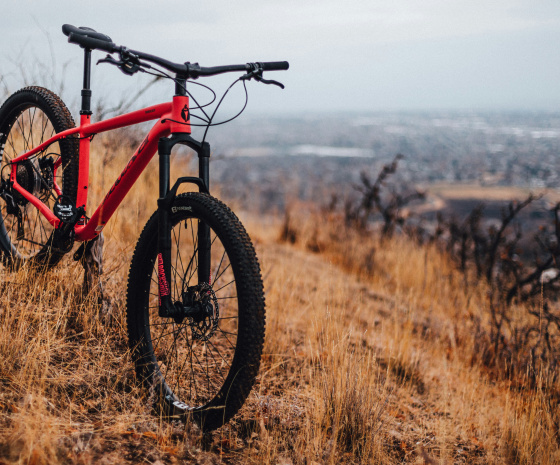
[{"x": 6, "y": 192}]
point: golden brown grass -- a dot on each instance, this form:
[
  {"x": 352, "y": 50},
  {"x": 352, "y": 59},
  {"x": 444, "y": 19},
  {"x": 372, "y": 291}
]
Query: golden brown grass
[
  {"x": 369, "y": 358},
  {"x": 428, "y": 328},
  {"x": 485, "y": 193}
]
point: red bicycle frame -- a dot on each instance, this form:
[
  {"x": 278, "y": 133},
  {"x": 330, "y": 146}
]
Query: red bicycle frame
[{"x": 169, "y": 117}]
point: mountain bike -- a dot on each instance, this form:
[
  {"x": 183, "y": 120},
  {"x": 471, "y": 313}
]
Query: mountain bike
[{"x": 195, "y": 302}]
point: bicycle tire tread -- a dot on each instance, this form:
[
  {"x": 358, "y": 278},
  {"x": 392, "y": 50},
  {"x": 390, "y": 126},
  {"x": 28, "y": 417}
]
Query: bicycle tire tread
[{"x": 251, "y": 331}]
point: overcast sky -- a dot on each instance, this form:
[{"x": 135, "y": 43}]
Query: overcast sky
[{"x": 352, "y": 55}]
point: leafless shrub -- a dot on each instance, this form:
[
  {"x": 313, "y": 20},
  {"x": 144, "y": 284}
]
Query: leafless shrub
[
  {"x": 521, "y": 329},
  {"x": 527, "y": 342},
  {"x": 288, "y": 232},
  {"x": 381, "y": 200}
]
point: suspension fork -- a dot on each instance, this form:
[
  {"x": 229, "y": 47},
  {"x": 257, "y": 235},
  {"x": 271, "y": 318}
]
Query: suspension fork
[
  {"x": 204, "y": 240},
  {"x": 165, "y": 202}
]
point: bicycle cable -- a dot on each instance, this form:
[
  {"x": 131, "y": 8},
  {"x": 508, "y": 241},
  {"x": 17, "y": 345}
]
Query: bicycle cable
[
  {"x": 208, "y": 121},
  {"x": 198, "y": 105},
  {"x": 165, "y": 75}
]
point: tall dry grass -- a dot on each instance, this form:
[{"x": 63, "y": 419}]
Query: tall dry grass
[
  {"x": 369, "y": 357},
  {"x": 441, "y": 326}
]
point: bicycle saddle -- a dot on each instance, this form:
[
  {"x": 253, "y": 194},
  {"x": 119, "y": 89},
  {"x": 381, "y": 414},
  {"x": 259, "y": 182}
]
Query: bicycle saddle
[{"x": 68, "y": 29}]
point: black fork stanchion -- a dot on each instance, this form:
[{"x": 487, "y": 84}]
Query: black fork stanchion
[{"x": 204, "y": 240}]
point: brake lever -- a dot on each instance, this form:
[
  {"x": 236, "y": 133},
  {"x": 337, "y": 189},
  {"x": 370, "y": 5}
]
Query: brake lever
[
  {"x": 126, "y": 66},
  {"x": 109, "y": 59},
  {"x": 270, "y": 81},
  {"x": 256, "y": 74}
]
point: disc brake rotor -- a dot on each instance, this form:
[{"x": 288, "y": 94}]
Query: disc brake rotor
[{"x": 206, "y": 322}]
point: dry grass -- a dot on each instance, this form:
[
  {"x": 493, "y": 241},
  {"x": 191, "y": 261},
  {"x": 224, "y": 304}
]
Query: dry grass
[
  {"x": 486, "y": 193},
  {"x": 368, "y": 359},
  {"x": 428, "y": 329}
]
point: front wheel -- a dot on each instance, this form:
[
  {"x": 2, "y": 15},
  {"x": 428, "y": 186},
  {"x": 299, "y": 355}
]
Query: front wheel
[{"x": 202, "y": 362}]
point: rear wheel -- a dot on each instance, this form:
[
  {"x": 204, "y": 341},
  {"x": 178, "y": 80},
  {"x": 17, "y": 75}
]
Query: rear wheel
[
  {"x": 202, "y": 362},
  {"x": 27, "y": 119}
]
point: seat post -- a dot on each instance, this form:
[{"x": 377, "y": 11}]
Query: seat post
[
  {"x": 85, "y": 116},
  {"x": 86, "y": 91}
]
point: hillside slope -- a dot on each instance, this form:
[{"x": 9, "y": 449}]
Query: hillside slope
[
  {"x": 371, "y": 356},
  {"x": 354, "y": 371}
]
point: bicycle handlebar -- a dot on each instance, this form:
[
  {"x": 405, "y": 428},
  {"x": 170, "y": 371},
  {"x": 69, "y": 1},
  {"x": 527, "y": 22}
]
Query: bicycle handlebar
[{"x": 90, "y": 39}]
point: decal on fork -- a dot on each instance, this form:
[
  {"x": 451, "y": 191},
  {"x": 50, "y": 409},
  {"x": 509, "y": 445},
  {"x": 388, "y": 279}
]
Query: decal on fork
[{"x": 163, "y": 286}]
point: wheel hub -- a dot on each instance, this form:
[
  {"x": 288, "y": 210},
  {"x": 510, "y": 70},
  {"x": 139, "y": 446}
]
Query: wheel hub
[
  {"x": 36, "y": 177},
  {"x": 200, "y": 308},
  {"x": 28, "y": 179}
]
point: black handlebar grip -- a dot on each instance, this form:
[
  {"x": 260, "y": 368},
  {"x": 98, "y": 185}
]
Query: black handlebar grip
[
  {"x": 275, "y": 65},
  {"x": 91, "y": 43}
]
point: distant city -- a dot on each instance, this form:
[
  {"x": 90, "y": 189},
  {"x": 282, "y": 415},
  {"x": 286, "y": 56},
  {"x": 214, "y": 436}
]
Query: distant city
[{"x": 311, "y": 157}]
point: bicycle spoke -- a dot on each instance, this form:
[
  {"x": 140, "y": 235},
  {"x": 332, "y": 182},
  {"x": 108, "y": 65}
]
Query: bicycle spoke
[
  {"x": 193, "y": 259},
  {"x": 175, "y": 283},
  {"x": 11, "y": 228},
  {"x": 37, "y": 220},
  {"x": 227, "y": 332},
  {"x": 166, "y": 357},
  {"x": 192, "y": 372},
  {"x": 178, "y": 256},
  {"x": 158, "y": 324},
  {"x": 178, "y": 373},
  {"x": 219, "y": 353},
  {"x": 195, "y": 247},
  {"x": 207, "y": 368},
  {"x": 44, "y": 127},
  {"x": 11, "y": 142},
  {"x": 226, "y": 338},
  {"x": 31, "y": 124},
  {"x": 202, "y": 367},
  {"x": 161, "y": 336},
  {"x": 216, "y": 363},
  {"x": 226, "y": 285},
  {"x": 25, "y": 143},
  {"x": 219, "y": 266},
  {"x": 222, "y": 273}
]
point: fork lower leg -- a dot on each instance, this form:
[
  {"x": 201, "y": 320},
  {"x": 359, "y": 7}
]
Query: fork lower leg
[{"x": 164, "y": 232}]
